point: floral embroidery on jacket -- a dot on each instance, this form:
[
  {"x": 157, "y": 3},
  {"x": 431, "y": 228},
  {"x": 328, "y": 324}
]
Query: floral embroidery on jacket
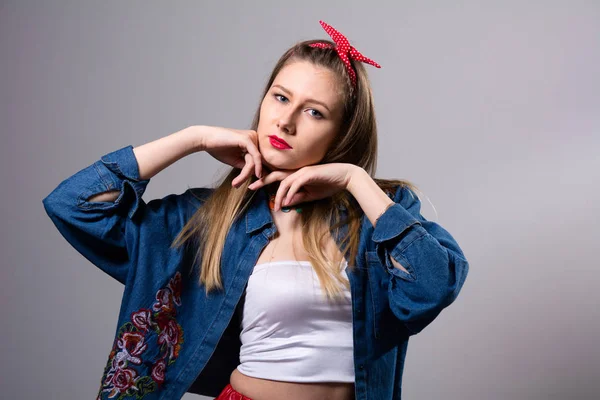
[{"x": 121, "y": 377}]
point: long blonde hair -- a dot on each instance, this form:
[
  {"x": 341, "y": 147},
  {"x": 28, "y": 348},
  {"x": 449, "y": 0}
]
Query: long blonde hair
[{"x": 356, "y": 144}]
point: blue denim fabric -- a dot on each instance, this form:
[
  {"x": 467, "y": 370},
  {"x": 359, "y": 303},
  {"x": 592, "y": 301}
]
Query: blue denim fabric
[{"x": 172, "y": 338}]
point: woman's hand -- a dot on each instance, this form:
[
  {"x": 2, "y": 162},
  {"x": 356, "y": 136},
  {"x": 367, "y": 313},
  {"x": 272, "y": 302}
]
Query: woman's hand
[
  {"x": 308, "y": 183},
  {"x": 238, "y": 148}
]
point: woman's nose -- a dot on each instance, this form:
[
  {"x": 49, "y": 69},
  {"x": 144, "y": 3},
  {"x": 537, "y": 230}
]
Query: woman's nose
[{"x": 286, "y": 122}]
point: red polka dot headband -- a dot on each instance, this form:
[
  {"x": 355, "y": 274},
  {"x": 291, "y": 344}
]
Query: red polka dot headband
[{"x": 344, "y": 50}]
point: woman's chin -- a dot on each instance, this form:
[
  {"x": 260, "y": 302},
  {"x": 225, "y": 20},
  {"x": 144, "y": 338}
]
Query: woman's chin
[{"x": 276, "y": 163}]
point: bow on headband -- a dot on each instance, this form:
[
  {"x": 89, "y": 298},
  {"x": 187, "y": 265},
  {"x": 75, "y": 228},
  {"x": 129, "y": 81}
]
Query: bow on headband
[{"x": 344, "y": 50}]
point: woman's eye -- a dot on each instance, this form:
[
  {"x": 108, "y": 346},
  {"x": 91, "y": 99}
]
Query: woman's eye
[
  {"x": 317, "y": 114},
  {"x": 283, "y": 99}
]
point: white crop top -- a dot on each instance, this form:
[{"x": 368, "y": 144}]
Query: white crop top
[{"x": 290, "y": 332}]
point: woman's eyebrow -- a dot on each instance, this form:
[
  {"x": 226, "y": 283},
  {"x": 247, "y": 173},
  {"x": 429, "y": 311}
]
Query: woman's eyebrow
[{"x": 309, "y": 100}]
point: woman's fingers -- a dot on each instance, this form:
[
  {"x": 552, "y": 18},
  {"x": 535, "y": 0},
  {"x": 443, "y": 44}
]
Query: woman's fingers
[
  {"x": 246, "y": 171},
  {"x": 273, "y": 177},
  {"x": 253, "y": 151},
  {"x": 226, "y": 144},
  {"x": 270, "y": 178},
  {"x": 293, "y": 190},
  {"x": 298, "y": 197},
  {"x": 252, "y": 158}
]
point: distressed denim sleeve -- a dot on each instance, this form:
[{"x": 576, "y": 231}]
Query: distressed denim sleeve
[
  {"x": 436, "y": 265},
  {"x": 108, "y": 233}
]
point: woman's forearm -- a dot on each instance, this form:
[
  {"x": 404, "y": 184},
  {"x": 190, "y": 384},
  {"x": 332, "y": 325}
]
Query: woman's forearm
[
  {"x": 368, "y": 194},
  {"x": 373, "y": 201},
  {"x": 153, "y": 157}
]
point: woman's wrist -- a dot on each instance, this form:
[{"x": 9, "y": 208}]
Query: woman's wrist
[{"x": 196, "y": 135}]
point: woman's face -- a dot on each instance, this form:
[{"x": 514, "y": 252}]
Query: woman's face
[{"x": 304, "y": 108}]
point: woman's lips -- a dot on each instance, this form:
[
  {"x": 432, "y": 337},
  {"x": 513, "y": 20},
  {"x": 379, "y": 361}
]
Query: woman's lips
[{"x": 279, "y": 143}]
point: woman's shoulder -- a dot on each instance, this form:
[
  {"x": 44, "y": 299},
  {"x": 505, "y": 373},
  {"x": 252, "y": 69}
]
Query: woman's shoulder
[
  {"x": 176, "y": 205},
  {"x": 195, "y": 197}
]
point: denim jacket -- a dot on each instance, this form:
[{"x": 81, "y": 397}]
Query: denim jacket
[{"x": 172, "y": 338}]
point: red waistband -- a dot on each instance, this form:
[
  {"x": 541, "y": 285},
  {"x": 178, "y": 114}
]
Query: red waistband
[{"x": 230, "y": 393}]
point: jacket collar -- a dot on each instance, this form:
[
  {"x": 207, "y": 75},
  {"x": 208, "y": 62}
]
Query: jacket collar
[{"x": 258, "y": 213}]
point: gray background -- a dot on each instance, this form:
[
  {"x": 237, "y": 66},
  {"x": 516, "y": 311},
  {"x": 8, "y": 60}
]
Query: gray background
[{"x": 491, "y": 108}]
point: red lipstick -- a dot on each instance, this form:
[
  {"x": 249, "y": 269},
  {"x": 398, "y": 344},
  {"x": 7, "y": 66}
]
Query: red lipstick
[{"x": 279, "y": 143}]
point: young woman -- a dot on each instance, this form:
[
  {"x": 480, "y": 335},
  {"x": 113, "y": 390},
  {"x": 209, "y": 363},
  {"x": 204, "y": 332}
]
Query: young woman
[{"x": 300, "y": 276}]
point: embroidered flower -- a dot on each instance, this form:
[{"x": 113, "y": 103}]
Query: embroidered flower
[
  {"x": 175, "y": 286},
  {"x": 120, "y": 360},
  {"x": 121, "y": 378},
  {"x": 158, "y": 371},
  {"x": 170, "y": 338},
  {"x": 133, "y": 346},
  {"x": 142, "y": 319},
  {"x": 164, "y": 301}
]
